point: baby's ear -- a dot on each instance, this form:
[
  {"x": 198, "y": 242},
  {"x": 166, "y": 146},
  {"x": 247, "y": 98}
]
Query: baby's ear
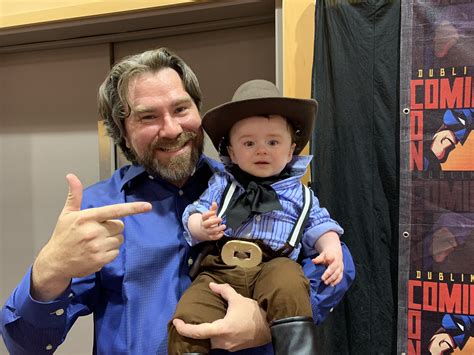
[
  {"x": 231, "y": 153},
  {"x": 291, "y": 152}
]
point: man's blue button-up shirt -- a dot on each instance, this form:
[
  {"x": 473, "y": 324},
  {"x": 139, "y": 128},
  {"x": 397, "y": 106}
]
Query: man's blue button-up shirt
[{"x": 133, "y": 297}]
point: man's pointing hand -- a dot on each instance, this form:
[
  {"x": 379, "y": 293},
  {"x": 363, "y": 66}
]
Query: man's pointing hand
[{"x": 83, "y": 241}]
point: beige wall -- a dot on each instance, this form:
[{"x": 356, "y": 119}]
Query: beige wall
[
  {"x": 21, "y": 12},
  {"x": 48, "y": 127},
  {"x": 298, "y": 47}
]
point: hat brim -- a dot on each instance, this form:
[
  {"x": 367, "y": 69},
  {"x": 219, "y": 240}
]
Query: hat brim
[{"x": 300, "y": 113}]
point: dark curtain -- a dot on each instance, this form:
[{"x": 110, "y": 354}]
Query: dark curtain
[{"x": 355, "y": 169}]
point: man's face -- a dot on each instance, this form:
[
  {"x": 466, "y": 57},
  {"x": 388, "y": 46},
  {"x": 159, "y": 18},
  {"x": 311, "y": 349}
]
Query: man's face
[{"x": 163, "y": 129}]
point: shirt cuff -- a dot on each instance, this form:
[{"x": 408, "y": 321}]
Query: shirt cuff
[
  {"x": 324, "y": 298},
  {"x": 191, "y": 209},
  {"x": 50, "y": 314}
]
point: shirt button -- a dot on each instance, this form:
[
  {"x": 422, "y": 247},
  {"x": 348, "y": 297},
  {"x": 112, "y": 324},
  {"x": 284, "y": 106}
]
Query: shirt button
[
  {"x": 49, "y": 347},
  {"x": 59, "y": 312},
  {"x": 190, "y": 261},
  {"x": 151, "y": 177},
  {"x": 332, "y": 309},
  {"x": 258, "y": 218},
  {"x": 180, "y": 193}
]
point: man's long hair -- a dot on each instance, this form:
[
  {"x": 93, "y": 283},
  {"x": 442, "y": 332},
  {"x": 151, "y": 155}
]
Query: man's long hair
[{"x": 113, "y": 93}]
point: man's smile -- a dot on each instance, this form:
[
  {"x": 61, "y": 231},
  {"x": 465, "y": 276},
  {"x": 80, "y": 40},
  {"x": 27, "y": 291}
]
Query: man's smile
[{"x": 174, "y": 150}]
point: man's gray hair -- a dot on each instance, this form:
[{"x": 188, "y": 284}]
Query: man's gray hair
[{"x": 113, "y": 93}]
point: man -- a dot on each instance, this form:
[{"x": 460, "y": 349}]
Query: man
[{"x": 107, "y": 257}]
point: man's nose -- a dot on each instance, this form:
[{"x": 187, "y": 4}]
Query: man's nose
[{"x": 171, "y": 128}]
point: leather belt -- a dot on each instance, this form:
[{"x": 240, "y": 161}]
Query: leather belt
[
  {"x": 241, "y": 252},
  {"x": 244, "y": 252}
]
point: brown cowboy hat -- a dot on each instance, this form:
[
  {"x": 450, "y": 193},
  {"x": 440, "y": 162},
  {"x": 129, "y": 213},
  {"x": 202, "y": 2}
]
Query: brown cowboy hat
[{"x": 261, "y": 97}]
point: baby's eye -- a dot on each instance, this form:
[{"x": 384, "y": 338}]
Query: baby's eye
[
  {"x": 273, "y": 142},
  {"x": 248, "y": 144}
]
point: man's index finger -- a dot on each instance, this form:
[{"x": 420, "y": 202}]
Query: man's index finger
[{"x": 105, "y": 213}]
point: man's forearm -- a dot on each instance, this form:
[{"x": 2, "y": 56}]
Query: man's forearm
[
  {"x": 28, "y": 326},
  {"x": 21, "y": 337}
]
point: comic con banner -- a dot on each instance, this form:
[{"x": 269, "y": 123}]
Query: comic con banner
[{"x": 436, "y": 313}]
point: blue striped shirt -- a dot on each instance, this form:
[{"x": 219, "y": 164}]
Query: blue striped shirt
[{"x": 273, "y": 227}]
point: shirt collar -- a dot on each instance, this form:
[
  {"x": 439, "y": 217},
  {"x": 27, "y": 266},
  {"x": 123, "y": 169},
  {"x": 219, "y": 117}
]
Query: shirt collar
[
  {"x": 131, "y": 173},
  {"x": 135, "y": 171},
  {"x": 300, "y": 162},
  {"x": 298, "y": 165}
]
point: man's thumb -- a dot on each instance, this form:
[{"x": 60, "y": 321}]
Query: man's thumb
[
  {"x": 74, "y": 196},
  {"x": 224, "y": 290}
]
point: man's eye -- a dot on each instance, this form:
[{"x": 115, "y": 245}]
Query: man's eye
[
  {"x": 181, "y": 109},
  {"x": 147, "y": 117}
]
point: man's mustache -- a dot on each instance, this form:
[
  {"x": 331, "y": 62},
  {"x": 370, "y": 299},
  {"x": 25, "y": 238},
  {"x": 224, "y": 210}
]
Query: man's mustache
[{"x": 171, "y": 144}]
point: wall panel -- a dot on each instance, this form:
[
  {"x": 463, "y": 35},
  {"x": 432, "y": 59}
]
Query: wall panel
[{"x": 48, "y": 128}]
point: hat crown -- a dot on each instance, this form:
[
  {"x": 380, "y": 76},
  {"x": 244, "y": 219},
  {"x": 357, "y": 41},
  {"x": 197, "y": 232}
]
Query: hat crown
[
  {"x": 256, "y": 98},
  {"x": 256, "y": 89}
]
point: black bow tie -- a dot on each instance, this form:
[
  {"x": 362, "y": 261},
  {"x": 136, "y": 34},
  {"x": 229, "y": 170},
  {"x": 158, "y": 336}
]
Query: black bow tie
[{"x": 258, "y": 197}]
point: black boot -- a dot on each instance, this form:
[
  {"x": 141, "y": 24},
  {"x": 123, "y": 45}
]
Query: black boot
[{"x": 293, "y": 336}]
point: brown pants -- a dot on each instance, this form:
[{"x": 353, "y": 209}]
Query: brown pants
[{"x": 279, "y": 286}]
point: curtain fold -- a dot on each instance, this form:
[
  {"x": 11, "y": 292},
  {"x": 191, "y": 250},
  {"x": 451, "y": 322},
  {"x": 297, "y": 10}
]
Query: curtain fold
[{"x": 356, "y": 166}]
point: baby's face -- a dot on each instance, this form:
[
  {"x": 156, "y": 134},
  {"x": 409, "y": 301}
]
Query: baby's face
[{"x": 261, "y": 146}]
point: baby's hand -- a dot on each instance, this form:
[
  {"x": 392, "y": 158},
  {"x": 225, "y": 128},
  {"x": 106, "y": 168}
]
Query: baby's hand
[
  {"x": 331, "y": 256},
  {"x": 211, "y": 224}
]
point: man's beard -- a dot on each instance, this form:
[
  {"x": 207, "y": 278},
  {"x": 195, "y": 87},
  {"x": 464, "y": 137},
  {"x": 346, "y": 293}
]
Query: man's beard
[{"x": 178, "y": 168}]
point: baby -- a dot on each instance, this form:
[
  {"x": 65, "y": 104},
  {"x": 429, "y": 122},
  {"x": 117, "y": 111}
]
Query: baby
[{"x": 257, "y": 216}]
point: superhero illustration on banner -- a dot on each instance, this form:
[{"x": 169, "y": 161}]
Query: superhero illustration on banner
[
  {"x": 456, "y": 127},
  {"x": 454, "y": 333},
  {"x": 439, "y": 179}
]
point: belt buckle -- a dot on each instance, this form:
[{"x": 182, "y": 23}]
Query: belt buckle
[{"x": 241, "y": 253}]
